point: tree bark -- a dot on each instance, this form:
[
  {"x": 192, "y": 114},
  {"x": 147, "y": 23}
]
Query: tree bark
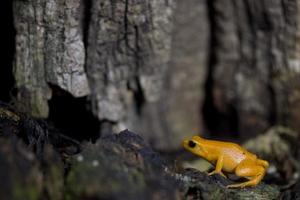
[
  {"x": 255, "y": 62},
  {"x": 127, "y": 56},
  {"x": 49, "y": 50},
  {"x": 163, "y": 71},
  {"x": 114, "y": 52}
]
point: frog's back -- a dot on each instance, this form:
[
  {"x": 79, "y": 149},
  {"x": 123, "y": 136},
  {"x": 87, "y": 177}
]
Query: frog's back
[{"x": 230, "y": 149}]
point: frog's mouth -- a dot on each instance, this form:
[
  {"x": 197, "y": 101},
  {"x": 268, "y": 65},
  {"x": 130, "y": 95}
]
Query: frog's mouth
[{"x": 185, "y": 144}]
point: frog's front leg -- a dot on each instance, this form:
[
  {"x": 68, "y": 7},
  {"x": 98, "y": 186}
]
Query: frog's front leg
[
  {"x": 251, "y": 170},
  {"x": 219, "y": 166}
]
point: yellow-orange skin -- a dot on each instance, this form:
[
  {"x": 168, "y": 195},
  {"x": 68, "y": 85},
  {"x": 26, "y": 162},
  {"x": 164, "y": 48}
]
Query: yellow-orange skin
[{"x": 229, "y": 157}]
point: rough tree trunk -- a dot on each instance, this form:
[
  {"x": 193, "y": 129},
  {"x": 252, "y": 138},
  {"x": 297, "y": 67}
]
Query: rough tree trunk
[
  {"x": 238, "y": 61},
  {"x": 114, "y": 52},
  {"x": 127, "y": 56},
  {"x": 49, "y": 50},
  {"x": 255, "y": 63}
]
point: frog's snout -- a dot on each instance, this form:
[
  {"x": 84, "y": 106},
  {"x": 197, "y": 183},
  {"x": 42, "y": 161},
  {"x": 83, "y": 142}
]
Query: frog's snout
[{"x": 185, "y": 143}]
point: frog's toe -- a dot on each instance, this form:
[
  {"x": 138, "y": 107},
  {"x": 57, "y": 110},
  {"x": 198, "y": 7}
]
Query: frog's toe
[
  {"x": 212, "y": 173},
  {"x": 216, "y": 172},
  {"x": 249, "y": 183}
]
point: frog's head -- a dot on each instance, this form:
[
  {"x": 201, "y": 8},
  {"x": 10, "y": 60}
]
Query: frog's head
[{"x": 196, "y": 146}]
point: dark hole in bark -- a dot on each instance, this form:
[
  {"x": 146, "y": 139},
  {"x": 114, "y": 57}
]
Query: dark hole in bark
[
  {"x": 220, "y": 124},
  {"x": 7, "y": 47},
  {"x": 72, "y": 116}
]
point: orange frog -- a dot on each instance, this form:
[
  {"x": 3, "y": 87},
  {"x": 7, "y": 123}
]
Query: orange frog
[{"x": 229, "y": 157}]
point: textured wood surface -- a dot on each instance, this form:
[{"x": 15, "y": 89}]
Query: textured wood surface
[
  {"x": 49, "y": 50},
  {"x": 255, "y": 62},
  {"x": 153, "y": 67}
]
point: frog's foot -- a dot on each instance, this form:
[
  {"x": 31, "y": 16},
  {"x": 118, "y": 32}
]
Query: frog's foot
[
  {"x": 252, "y": 182},
  {"x": 217, "y": 172}
]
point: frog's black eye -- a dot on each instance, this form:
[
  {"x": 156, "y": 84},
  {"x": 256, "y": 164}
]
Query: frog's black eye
[{"x": 192, "y": 144}]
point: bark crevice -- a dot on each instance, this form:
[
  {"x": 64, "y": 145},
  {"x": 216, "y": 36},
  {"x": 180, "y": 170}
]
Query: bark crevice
[
  {"x": 8, "y": 33},
  {"x": 86, "y": 18},
  {"x": 218, "y": 121}
]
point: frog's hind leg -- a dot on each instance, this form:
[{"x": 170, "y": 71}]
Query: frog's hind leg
[
  {"x": 263, "y": 163},
  {"x": 249, "y": 170}
]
